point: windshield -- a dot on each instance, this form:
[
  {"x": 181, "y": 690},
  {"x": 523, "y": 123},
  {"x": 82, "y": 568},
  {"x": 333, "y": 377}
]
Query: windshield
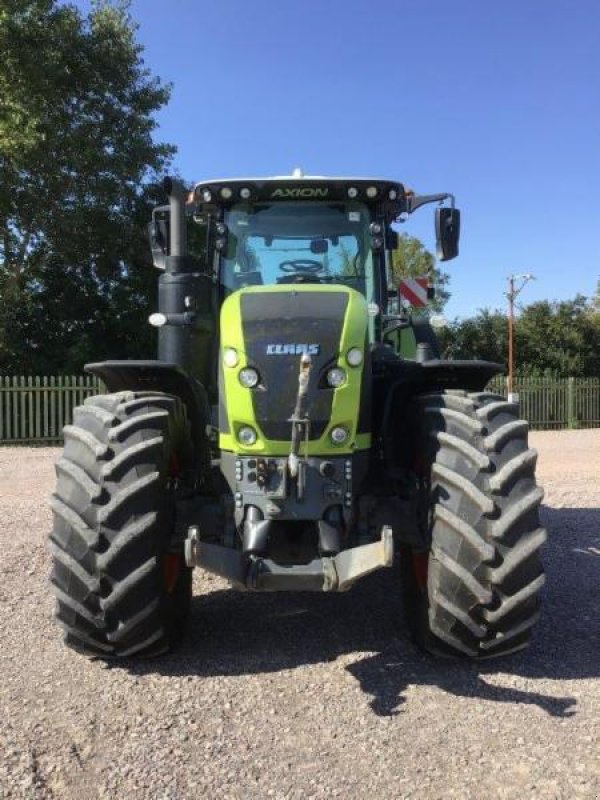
[{"x": 299, "y": 243}]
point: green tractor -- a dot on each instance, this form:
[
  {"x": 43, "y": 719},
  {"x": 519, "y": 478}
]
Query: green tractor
[{"x": 298, "y": 431}]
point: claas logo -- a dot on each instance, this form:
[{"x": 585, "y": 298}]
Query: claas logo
[{"x": 293, "y": 349}]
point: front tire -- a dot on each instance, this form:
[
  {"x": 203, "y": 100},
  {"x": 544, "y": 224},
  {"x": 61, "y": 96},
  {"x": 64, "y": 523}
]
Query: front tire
[
  {"x": 122, "y": 588},
  {"x": 473, "y": 589}
]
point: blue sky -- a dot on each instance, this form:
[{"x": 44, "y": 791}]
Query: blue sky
[{"x": 498, "y": 103}]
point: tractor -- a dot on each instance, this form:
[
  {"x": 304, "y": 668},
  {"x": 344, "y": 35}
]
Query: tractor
[{"x": 298, "y": 431}]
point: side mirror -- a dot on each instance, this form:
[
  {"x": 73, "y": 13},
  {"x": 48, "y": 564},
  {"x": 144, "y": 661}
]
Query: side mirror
[
  {"x": 158, "y": 235},
  {"x": 447, "y": 232}
]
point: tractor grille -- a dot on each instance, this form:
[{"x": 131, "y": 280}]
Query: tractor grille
[{"x": 291, "y": 318}]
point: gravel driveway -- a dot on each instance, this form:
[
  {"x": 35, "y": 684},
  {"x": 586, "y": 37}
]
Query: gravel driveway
[{"x": 304, "y": 696}]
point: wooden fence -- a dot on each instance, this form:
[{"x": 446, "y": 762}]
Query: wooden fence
[{"x": 33, "y": 410}]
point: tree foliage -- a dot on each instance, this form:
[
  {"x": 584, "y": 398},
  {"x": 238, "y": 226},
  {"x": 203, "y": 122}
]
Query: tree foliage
[
  {"x": 77, "y": 165},
  {"x": 560, "y": 338}
]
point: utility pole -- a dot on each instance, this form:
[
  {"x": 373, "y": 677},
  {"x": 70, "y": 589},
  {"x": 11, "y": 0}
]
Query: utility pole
[{"x": 514, "y": 291}]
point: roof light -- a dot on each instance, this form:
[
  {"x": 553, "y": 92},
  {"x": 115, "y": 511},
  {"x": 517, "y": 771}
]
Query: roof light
[
  {"x": 372, "y": 191},
  {"x": 226, "y": 193},
  {"x": 206, "y": 195},
  {"x": 392, "y": 194},
  {"x": 245, "y": 193},
  {"x": 352, "y": 192}
]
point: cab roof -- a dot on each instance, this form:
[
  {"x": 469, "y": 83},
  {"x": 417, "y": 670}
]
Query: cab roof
[{"x": 227, "y": 191}]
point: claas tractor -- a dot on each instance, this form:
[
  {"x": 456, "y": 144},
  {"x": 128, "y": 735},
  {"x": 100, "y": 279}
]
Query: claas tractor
[{"x": 298, "y": 431}]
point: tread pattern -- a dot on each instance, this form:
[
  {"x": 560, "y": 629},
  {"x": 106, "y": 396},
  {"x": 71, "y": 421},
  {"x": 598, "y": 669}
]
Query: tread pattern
[
  {"x": 485, "y": 575},
  {"x": 111, "y": 527}
]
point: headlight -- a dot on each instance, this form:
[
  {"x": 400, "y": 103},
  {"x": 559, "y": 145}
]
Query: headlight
[
  {"x": 336, "y": 377},
  {"x": 338, "y": 435},
  {"x": 354, "y": 357},
  {"x": 248, "y": 377},
  {"x": 246, "y": 435},
  {"x": 230, "y": 357}
]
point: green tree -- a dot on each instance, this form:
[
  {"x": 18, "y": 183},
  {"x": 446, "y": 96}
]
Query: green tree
[
  {"x": 411, "y": 260},
  {"x": 483, "y": 336},
  {"x": 560, "y": 338},
  {"x": 78, "y": 165}
]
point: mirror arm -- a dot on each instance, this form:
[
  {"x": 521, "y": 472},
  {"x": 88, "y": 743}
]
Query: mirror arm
[{"x": 417, "y": 200}]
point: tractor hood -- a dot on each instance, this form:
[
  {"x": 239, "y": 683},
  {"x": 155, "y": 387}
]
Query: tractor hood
[{"x": 269, "y": 329}]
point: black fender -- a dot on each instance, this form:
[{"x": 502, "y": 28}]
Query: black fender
[
  {"x": 438, "y": 374},
  {"x": 399, "y": 381},
  {"x": 159, "y": 376}
]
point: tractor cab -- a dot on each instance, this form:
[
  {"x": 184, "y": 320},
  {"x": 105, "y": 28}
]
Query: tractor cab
[
  {"x": 302, "y": 230},
  {"x": 280, "y": 251}
]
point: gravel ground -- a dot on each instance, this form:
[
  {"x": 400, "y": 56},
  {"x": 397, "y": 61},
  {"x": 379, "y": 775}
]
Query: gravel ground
[{"x": 304, "y": 696}]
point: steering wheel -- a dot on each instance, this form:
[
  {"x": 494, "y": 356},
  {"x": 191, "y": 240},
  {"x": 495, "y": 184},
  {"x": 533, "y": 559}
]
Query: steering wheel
[{"x": 306, "y": 266}]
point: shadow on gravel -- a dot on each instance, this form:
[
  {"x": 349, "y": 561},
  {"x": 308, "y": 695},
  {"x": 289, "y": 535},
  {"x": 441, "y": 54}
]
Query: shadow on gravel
[{"x": 239, "y": 634}]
